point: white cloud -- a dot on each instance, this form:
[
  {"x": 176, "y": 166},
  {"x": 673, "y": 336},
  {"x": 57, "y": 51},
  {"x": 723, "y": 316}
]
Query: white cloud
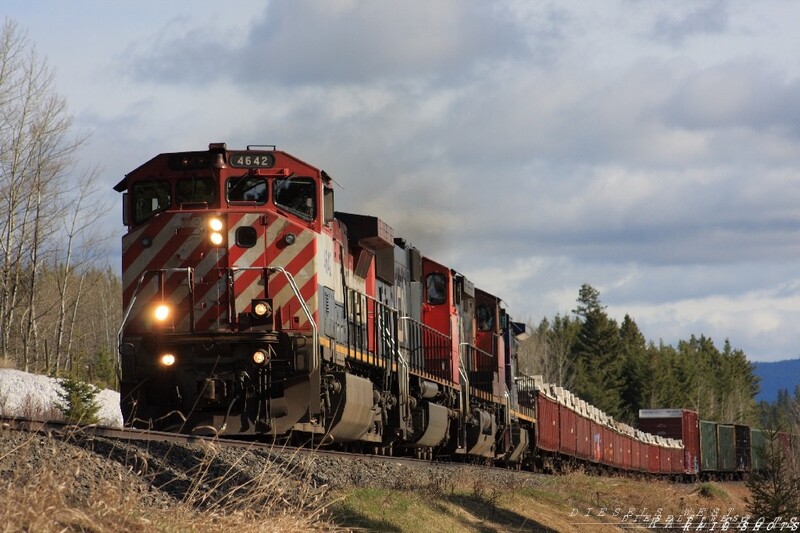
[{"x": 648, "y": 148}]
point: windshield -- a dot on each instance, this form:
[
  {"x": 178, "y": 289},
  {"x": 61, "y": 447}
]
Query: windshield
[
  {"x": 196, "y": 190},
  {"x": 297, "y": 195},
  {"x": 251, "y": 189}
]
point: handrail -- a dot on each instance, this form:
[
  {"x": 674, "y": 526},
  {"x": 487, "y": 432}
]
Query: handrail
[
  {"x": 428, "y": 346},
  {"x": 315, "y": 360},
  {"x": 478, "y": 350},
  {"x": 160, "y": 272},
  {"x": 465, "y": 376},
  {"x": 425, "y": 326}
]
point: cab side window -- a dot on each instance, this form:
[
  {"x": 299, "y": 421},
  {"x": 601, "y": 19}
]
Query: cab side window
[
  {"x": 296, "y": 195},
  {"x": 485, "y": 316},
  {"x": 436, "y": 285},
  {"x": 149, "y": 197}
]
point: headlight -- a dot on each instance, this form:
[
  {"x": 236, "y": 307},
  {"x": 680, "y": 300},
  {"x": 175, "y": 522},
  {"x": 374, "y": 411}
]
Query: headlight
[
  {"x": 167, "y": 359},
  {"x": 215, "y": 224},
  {"x": 261, "y": 309},
  {"x": 260, "y": 357},
  {"x": 162, "y": 312}
]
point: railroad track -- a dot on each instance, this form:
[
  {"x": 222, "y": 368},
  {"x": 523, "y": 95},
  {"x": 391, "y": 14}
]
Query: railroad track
[{"x": 68, "y": 432}]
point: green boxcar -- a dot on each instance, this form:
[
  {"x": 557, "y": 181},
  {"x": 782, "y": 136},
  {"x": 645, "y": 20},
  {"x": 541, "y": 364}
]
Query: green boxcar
[
  {"x": 758, "y": 443},
  {"x": 726, "y": 448},
  {"x": 708, "y": 446}
]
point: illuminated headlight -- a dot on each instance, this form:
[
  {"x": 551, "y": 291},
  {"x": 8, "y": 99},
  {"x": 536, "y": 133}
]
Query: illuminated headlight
[
  {"x": 216, "y": 238},
  {"x": 167, "y": 359},
  {"x": 260, "y": 357},
  {"x": 161, "y": 313},
  {"x": 216, "y": 226},
  {"x": 261, "y": 309}
]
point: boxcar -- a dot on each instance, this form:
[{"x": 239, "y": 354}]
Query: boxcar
[
  {"x": 743, "y": 460},
  {"x": 709, "y": 456},
  {"x": 726, "y": 448},
  {"x": 785, "y": 442},
  {"x": 680, "y": 424}
]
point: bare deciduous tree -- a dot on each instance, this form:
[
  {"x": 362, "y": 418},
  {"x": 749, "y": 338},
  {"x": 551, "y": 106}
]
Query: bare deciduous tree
[{"x": 49, "y": 238}]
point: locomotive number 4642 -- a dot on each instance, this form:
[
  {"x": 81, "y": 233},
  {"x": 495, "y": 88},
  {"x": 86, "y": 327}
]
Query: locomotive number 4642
[{"x": 251, "y": 160}]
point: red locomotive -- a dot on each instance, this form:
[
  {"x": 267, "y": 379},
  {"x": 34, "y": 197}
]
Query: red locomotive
[{"x": 253, "y": 308}]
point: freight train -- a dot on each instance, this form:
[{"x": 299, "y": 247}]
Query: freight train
[{"x": 254, "y": 309}]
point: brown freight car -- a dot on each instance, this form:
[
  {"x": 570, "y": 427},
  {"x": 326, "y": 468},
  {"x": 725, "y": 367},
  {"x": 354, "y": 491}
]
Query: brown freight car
[{"x": 681, "y": 424}]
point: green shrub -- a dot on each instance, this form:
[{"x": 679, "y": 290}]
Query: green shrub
[
  {"x": 707, "y": 490},
  {"x": 78, "y": 401}
]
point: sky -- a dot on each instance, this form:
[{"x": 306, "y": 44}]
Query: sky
[{"x": 648, "y": 148}]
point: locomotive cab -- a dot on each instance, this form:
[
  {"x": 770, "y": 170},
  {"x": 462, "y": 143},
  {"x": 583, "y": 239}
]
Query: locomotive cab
[{"x": 221, "y": 274}]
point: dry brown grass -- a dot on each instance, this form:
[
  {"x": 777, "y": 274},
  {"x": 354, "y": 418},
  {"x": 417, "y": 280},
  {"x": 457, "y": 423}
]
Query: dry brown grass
[
  {"x": 274, "y": 498},
  {"x": 49, "y": 485}
]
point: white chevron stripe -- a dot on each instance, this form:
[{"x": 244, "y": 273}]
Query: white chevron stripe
[{"x": 160, "y": 241}]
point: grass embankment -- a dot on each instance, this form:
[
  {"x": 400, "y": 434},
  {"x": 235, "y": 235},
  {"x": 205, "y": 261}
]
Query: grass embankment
[
  {"x": 575, "y": 502},
  {"x": 83, "y": 484}
]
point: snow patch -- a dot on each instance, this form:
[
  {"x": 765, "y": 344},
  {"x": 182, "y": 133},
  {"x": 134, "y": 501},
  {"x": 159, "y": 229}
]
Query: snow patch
[{"x": 22, "y": 394}]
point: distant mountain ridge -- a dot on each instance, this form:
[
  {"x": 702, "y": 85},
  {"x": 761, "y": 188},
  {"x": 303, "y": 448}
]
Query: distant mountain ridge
[{"x": 775, "y": 376}]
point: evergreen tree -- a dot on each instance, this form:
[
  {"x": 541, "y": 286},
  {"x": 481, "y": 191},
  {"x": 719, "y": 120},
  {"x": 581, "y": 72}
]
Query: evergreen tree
[
  {"x": 635, "y": 382},
  {"x": 673, "y": 377},
  {"x": 596, "y": 355},
  {"x": 78, "y": 401},
  {"x": 615, "y": 369},
  {"x": 775, "y": 490},
  {"x": 738, "y": 386}
]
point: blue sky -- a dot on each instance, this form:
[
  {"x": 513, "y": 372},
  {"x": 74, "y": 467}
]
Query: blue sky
[{"x": 648, "y": 148}]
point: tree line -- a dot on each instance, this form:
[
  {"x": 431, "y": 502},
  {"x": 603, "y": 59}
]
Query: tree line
[
  {"x": 59, "y": 303},
  {"x": 612, "y": 366},
  {"x": 783, "y": 413}
]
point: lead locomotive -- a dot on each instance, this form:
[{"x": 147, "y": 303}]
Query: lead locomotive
[{"x": 252, "y": 307}]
